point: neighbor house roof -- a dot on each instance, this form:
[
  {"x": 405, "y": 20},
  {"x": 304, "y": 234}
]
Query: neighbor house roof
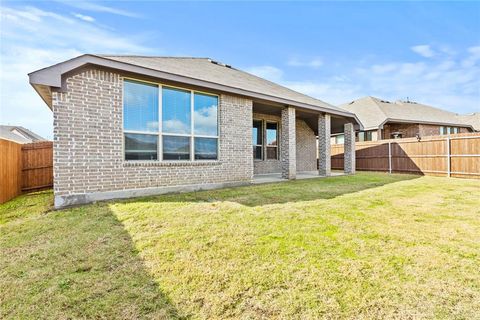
[
  {"x": 473, "y": 119},
  {"x": 19, "y": 134},
  {"x": 202, "y": 72},
  {"x": 374, "y": 113}
]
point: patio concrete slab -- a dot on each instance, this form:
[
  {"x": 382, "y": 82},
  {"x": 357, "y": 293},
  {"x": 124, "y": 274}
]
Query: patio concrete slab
[{"x": 277, "y": 177}]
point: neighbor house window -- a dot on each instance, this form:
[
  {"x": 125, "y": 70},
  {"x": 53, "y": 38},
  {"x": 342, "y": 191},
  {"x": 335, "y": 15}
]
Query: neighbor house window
[
  {"x": 186, "y": 128},
  {"x": 272, "y": 140},
  {"x": 365, "y": 136},
  {"x": 340, "y": 139},
  {"x": 257, "y": 139},
  {"x": 448, "y": 130}
]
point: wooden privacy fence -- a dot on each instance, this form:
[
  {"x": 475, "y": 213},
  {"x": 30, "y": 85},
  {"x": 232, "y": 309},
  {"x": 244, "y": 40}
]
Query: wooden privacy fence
[
  {"x": 24, "y": 167},
  {"x": 452, "y": 156}
]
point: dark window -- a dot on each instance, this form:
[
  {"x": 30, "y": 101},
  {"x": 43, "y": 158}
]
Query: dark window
[
  {"x": 257, "y": 136},
  {"x": 206, "y": 149},
  {"x": 176, "y": 148},
  {"x": 368, "y": 135},
  {"x": 140, "y": 146}
]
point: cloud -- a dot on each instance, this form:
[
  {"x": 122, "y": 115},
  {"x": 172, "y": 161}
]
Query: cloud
[
  {"x": 84, "y": 17},
  {"x": 206, "y": 120},
  {"x": 267, "y": 72},
  {"x": 423, "y": 50},
  {"x": 33, "y": 39},
  {"x": 473, "y": 58},
  {"x": 175, "y": 126},
  {"x": 450, "y": 83},
  {"x": 314, "y": 63},
  {"x": 95, "y": 7}
]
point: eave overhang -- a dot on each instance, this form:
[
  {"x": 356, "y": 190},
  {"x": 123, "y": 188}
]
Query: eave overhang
[{"x": 51, "y": 77}]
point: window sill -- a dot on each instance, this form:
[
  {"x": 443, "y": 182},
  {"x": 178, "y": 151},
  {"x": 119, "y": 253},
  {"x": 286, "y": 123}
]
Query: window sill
[
  {"x": 170, "y": 163},
  {"x": 266, "y": 160}
]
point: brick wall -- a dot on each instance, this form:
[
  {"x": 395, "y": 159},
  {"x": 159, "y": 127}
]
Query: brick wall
[
  {"x": 88, "y": 143},
  {"x": 408, "y": 130},
  {"x": 305, "y": 151},
  {"x": 306, "y": 147},
  {"x": 434, "y": 130}
]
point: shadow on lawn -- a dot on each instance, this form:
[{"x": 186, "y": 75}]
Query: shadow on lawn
[
  {"x": 88, "y": 263},
  {"x": 290, "y": 191}
]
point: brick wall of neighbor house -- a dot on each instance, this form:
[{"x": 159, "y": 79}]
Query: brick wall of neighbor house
[
  {"x": 434, "y": 130},
  {"x": 410, "y": 130},
  {"x": 88, "y": 143},
  {"x": 429, "y": 130},
  {"x": 306, "y": 148}
]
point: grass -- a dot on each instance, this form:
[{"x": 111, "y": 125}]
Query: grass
[{"x": 365, "y": 246}]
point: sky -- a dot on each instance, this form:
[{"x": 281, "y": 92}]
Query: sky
[{"x": 428, "y": 52}]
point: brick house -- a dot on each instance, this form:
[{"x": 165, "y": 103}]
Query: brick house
[
  {"x": 128, "y": 126},
  {"x": 405, "y": 119}
]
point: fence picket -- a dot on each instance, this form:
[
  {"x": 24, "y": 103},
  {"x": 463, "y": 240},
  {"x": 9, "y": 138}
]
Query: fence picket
[
  {"x": 456, "y": 155},
  {"x": 26, "y": 167}
]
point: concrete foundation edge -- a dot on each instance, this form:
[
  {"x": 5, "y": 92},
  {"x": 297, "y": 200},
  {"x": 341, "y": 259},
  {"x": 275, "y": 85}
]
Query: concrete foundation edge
[{"x": 65, "y": 201}]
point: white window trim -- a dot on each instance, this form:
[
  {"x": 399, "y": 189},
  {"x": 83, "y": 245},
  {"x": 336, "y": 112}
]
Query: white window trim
[{"x": 160, "y": 134}]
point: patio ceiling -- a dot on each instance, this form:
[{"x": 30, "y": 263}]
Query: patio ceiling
[{"x": 310, "y": 118}]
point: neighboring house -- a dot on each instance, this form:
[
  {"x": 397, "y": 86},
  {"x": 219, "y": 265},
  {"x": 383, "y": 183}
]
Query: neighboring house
[
  {"x": 18, "y": 134},
  {"x": 472, "y": 119},
  {"x": 404, "y": 119},
  {"x": 130, "y": 125}
]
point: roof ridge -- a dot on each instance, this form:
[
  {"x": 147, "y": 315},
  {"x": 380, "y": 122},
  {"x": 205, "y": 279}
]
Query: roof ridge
[
  {"x": 379, "y": 107},
  {"x": 144, "y": 56},
  {"x": 427, "y": 106}
]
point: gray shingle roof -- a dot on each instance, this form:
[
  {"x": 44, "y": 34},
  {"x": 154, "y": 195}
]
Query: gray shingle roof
[
  {"x": 19, "y": 134},
  {"x": 207, "y": 70},
  {"x": 473, "y": 119},
  {"x": 374, "y": 112}
]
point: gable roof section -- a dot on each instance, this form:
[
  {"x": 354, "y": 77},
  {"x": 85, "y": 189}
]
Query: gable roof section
[
  {"x": 374, "y": 112},
  {"x": 194, "y": 71},
  {"x": 19, "y": 134},
  {"x": 473, "y": 119}
]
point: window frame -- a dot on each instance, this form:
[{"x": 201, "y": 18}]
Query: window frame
[
  {"x": 277, "y": 139},
  {"x": 263, "y": 139},
  {"x": 160, "y": 134}
]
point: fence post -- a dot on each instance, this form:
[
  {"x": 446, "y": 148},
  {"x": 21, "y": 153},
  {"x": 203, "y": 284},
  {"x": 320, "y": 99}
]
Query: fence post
[
  {"x": 389, "y": 157},
  {"x": 448, "y": 156}
]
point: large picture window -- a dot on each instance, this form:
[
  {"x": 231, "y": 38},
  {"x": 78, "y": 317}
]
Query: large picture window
[{"x": 165, "y": 123}]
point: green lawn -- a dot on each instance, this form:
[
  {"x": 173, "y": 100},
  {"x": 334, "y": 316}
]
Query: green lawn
[{"x": 366, "y": 246}]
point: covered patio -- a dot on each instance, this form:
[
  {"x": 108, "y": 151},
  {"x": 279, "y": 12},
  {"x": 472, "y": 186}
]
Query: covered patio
[{"x": 294, "y": 143}]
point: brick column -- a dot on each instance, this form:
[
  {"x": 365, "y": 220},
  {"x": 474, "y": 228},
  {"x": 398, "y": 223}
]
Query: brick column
[
  {"x": 324, "y": 152},
  {"x": 287, "y": 144},
  {"x": 349, "y": 149}
]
